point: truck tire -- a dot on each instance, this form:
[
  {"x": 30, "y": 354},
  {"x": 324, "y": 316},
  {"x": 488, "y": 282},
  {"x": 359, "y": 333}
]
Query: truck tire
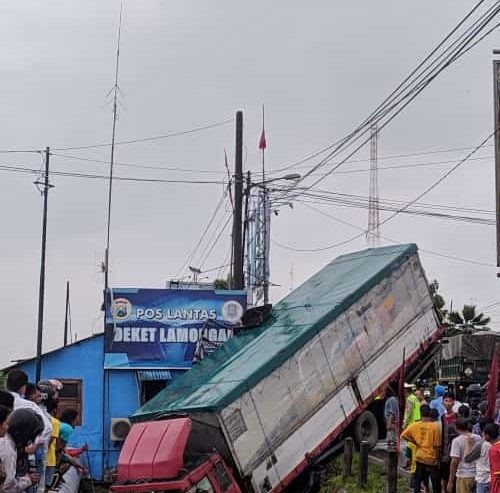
[{"x": 366, "y": 428}]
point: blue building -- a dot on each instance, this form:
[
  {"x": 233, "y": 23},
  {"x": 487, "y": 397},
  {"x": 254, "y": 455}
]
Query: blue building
[{"x": 151, "y": 337}]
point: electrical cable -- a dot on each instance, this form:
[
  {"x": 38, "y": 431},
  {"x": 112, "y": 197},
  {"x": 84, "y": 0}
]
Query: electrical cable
[
  {"x": 148, "y": 139},
  {"x": 451, "y": 217},
  {"x": 204, "y": 232},
  {"x": 416, "y": 199},
  {"x": 458, "y": 48},
  {"x": 123, "y": 142},
  {"x": 17, "y": 169},
  {"x": 392, "y": 94},
  {"x": 214, "y": 244},
  {"x": 430, "y": 252},
  {"x": 142, "y": 166}
]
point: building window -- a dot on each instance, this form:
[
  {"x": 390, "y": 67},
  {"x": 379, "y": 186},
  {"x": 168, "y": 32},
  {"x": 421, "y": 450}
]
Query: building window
[
  {"x": 70, "y": 397},
  {"x": 152, "y": 387}
]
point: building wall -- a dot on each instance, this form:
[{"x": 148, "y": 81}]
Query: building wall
[
  {"x": 124, "y": 399},
  {"x": 120, "y": 391},
  {"x": 84, "y": 361}
]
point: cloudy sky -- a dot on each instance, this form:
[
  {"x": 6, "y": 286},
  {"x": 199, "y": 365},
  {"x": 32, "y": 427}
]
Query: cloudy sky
[{"x": 319, "y": 67}]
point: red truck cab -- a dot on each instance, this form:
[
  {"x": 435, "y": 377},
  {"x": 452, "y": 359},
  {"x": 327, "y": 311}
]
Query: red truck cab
[{"x": 155, "y": 458}]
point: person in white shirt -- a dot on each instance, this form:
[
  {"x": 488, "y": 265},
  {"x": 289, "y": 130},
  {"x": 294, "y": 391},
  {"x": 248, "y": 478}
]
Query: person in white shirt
[
  {"x": 23, "y": 427},
  {"x": 480, "y": 454},
  {"x": 16, "y": 385}
]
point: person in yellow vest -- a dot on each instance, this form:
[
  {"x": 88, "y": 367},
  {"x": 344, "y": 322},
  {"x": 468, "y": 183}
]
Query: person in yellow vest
[
  {"x": 51, "y": 452},
  {"x": 412, "y": 406}
]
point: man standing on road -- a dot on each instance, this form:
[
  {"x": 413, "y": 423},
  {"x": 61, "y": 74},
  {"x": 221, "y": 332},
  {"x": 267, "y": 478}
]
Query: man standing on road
[
  {"x": 449, "y": 433},
  {"x": 391, "y": 416},
  {"x": 425, "y": 435},
  {"x": 462, "y": 473},
  {"x": 412, "y": 406},
  {"x": 480, "y": 454},
  {"x": 437, "y": 402}
]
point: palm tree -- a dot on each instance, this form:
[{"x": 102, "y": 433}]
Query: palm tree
[{"x": 468, "y": 321}]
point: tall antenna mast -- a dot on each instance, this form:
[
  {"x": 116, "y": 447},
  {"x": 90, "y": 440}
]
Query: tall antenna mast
[
  {"x": 112, "y": 157},
  {"x": 373, "y": 232}
]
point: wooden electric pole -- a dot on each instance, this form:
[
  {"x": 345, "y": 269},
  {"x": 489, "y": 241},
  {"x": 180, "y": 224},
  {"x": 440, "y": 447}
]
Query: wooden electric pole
[
  {"x": 238, "y": 253},
  {"x": 41, "y": 291}
]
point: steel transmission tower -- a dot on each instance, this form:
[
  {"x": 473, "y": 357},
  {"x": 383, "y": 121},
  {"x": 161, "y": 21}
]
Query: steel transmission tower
[{"x": 373, "y": 232}]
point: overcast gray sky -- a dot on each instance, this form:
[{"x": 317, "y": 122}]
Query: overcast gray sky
[{"x": 319, "y": 67}]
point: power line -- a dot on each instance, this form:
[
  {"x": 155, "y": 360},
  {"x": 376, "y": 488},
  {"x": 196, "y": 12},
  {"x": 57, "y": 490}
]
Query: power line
[
  {"x": 352, "y": 199},
  {"x": 398, "y": 156},
  {"x": 16, "y": 169},
  {"x": 148, "y": 139},
  {"x": 205, "y": 231},
  {"x": 399, "y": 166},
  {"x": 124, "y": 142},
  {"x": 400, "y": 210},
  {"x": 430, "y": 252},
  {"x": 216, "y": 241},
  {"x": 409, "y": 89},
  {"x": 436, "y": 215},
  {"x": 160, "y": 167}
]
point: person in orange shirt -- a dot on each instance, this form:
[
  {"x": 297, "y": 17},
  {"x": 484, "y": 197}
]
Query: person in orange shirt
[
  {"x": 426, "y": 437},
  {"x": 494, "y": 458}
]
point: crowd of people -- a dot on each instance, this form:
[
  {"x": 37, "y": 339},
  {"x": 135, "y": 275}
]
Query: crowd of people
[
  {"x": 444, "y": 448},
  {"x": 34, "y": 436}
]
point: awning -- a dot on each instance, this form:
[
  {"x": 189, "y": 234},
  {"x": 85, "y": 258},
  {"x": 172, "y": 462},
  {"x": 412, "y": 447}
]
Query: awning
[{"x": 147, "y": 375}]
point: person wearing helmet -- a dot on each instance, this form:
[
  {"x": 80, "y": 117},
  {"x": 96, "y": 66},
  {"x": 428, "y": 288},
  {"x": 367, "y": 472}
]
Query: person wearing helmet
[
  {"x": 437, "y": 402},
  {"x": 412, "y": 406},
  {"x": 24, "y": 425}
]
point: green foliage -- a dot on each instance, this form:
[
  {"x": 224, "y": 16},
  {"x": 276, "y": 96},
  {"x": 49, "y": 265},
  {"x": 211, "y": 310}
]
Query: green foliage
[
  {"x": 377, "y": 479},
  {"x": 467, "y": 321},
  {"x": 222, "y": 284},
  {"x": 3, "y": 378},
  {"x": 438, "y": 300}
]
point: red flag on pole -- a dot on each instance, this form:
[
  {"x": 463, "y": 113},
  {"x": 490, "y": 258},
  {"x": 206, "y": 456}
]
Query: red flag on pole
[
  {"x": 262, "y": 141},
  {"x": 492, "y": 387}
]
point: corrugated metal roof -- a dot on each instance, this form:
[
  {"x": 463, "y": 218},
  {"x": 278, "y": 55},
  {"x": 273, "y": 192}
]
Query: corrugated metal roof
[
  {"x": 154, "y": 375},
  {"x": 244, "y": 360}
]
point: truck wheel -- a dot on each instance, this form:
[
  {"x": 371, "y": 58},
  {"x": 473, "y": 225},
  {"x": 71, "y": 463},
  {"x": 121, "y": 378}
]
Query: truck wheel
[{"x": 366, "y": 429}]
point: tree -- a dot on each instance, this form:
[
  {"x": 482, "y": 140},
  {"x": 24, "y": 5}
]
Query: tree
[
  {"x": 468, "y": 321},
  {"x": 438, "y": 300},
  {"x": 223, "y": 284}
]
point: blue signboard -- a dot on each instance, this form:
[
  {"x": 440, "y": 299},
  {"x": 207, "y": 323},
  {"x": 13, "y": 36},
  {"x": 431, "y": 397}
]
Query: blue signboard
[{"x": 168, "y": 328}]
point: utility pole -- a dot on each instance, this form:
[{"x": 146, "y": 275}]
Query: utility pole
[
  {"x": 496, "y": 124},
  {"x": 66, "y": 316},
  {"x": 41, "y": 290},
  {"x": 237, "y": 277}
]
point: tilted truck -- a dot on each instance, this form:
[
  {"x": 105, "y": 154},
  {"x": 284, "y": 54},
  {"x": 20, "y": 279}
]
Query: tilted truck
[{"x": 259, "y": 411}]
